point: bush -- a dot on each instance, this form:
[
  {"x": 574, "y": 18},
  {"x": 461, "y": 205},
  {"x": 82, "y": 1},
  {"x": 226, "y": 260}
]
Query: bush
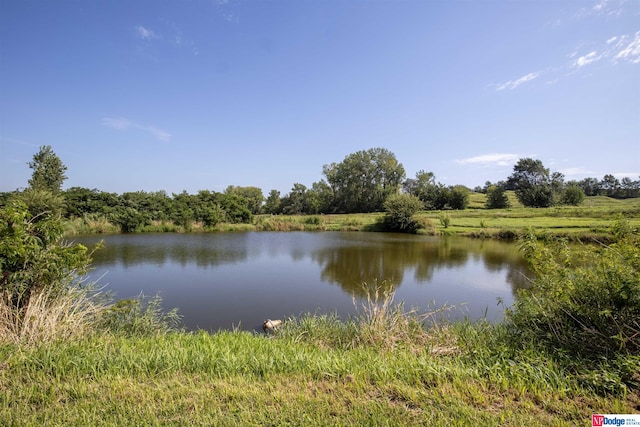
[
  {"x": 572, "y": 195},
  {"x": 33, "y": 255},
  {"x": 400, "y": 210},
  {"x": 497, "y": 198},
  {"x": 588, "y": 307},
  {"x": 129, "y": 219}
]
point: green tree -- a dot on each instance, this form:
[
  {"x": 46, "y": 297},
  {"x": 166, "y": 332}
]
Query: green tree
[
  {"x": 458, "y": 197},
  {"x": 497, "y": 198},
  {"x": 400, "y": 211},
  {"x": 296, "y": 203},
  {"x": 48, "y": 170},
  {"x": 424, "y": 187},
  {"x": 129, "y": 219},
  {"x": 629, "y": 188},
  {"x": 590, "y": 186},
  {"x": 42, "y": 203},
  {"x": 272, "y": 204},
  {"x": 254, "y": 197},
  {"x": 572, "y": 195},
  {"x": 182, "y": 213},
  {"x": 532, "y": 183},
  {"x": 364, "y": 180},
  {"x": 610, "y": 186}
]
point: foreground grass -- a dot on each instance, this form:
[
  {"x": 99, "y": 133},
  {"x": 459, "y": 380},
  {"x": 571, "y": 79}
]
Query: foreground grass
[{"x": 454, "y": 375}]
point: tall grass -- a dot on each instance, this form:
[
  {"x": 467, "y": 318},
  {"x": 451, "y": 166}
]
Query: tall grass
[
  {"x": 78, "y": 310},
  {"x": 378, "y": 323},
  {"x": 49, "y": 316}
]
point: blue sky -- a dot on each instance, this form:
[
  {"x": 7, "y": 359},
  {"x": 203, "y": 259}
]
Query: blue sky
[{"x": 193, "y": 95}]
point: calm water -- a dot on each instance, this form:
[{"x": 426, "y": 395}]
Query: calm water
[{"x": 239, "y": 279}]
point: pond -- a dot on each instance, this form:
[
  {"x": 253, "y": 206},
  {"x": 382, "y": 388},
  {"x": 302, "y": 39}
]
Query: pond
[{"x": 227, "y": 280}]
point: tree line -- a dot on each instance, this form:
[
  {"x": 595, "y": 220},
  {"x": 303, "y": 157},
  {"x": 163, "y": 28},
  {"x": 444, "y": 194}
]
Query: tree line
[{"x": 365, "y": 181}]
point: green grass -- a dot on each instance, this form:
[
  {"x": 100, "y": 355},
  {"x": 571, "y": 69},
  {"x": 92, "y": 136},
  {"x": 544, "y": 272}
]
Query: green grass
[
  {"x": 239, "y": 378},
  {"x": 591, "y": 220}
]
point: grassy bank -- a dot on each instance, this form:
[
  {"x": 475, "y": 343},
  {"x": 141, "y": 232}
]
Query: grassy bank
[
  {"x": 591, "y": 220},
  {"x": 458, "y": 375}
]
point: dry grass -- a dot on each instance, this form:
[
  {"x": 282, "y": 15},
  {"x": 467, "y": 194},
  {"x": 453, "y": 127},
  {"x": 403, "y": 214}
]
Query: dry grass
[
  {"x": 386, "y": 325},
  {"x": 49, "y": 317}
]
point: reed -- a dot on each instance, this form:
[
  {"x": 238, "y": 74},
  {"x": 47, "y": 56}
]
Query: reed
[{"x": 47, "y": 316}]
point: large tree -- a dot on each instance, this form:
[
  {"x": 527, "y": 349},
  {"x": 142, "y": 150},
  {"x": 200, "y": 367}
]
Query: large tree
[
  {"x": 48, "y": 170},
  {"x": 363, "y": 180},
  {"x": 532, "y": 183}
]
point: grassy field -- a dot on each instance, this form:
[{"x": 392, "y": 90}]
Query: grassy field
[
  {"x": 592, "y": 219},
  {"x": 457, "y": 375}
]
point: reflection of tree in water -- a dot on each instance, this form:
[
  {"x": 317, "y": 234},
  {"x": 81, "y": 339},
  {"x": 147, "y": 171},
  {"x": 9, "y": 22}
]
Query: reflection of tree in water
[
  {"x": 384, "y": 263},
  {"x": 352, "y": 267},
  {"x": 143, "y": 249},
  {"x": 497, "y": 257}
]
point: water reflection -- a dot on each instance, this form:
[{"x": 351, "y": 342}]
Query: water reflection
[
  {"x": 391, "y": 258},
  {"x": 226, "y": 279}
]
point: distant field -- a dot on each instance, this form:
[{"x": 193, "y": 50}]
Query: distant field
[{"x": 592, "y": 219}]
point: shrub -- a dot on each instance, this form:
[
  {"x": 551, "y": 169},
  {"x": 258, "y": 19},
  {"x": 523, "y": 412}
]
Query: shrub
[
  {"x": 458, "y": 198},
  {"x": 129, "y": 219},
  {"x": 400, "y": 210},
  {"x": 445, "y": 220},
  {"x": 589, "y": 307},
  {"x": 572, "y": 195},
  {"x": 497, "y": 198},
  {"x": 33, "y": 255}
]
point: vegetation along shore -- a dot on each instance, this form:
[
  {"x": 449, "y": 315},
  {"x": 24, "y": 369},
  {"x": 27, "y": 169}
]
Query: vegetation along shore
[{"x": 569, "y": 347}]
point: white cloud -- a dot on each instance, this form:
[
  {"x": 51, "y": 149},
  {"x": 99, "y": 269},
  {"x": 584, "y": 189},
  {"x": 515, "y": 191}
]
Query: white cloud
[
  {"x": 145, "y": 33},
  {"x": 604, "y": 7},
  {"x": 600, "y": 6},
  {"x": 492, "y": 159},
  {"x": 512, "y": 84},
  {"x": 575, "y": 171},
  {"x": 121, "y": 123},
  {"x": 587, "y": 59},
  {"x": 612, "y": 39},
  {"x": 631, "y": 52}
]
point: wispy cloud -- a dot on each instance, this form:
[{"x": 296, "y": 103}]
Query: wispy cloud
[
  {"x": 587, "y": 59},
  {"x": 145, "y": 33},
  {"x": 121, "y": 123},
  {"x": 512, "y": 84},
  {"x": 575, "y": 171},
  {"x": 629, "y": 51},
  {"x": 603, "y": 8},
  {"x": 492, "y": 159},
  {"x": 170, "y": 35}
]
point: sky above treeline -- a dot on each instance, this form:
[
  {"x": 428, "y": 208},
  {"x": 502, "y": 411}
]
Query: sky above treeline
[{"x": 199, "y": 95}]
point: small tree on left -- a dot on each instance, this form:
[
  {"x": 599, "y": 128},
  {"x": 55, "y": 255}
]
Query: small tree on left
[{"x": 48, "y": 171}]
